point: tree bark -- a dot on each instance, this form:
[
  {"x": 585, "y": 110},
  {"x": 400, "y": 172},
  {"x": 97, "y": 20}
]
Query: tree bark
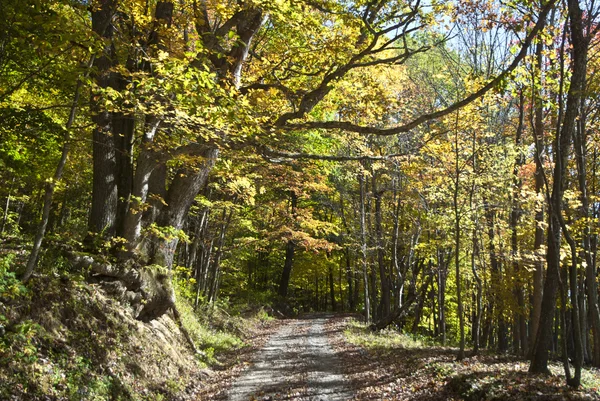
[
  {"x": 180, "y": 196},
  {"x": 104, "y": 184}
]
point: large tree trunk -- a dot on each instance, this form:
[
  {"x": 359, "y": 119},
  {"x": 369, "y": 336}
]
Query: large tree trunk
[
  {"x": 123, "y": 127},
  {"x": 147, "y": 163},
  {"x": 104, "y": 184},
  {"x": 133, "y": 189},
  {"x": 180, "y": 196}
]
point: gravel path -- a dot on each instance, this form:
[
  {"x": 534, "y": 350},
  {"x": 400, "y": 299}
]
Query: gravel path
[{"x": 296, "y": 364}]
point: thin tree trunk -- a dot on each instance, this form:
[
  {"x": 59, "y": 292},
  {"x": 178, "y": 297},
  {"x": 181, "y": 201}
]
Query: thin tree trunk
[
  {"x": 395, "y": 266},
  {"x": 51, "y": 185},
  {"x": 562, "y": 146},
  {"x": 331, "y": 288},
  {"x": 457, "y": 234},
  {"x": 442, "y": 277},
  {"x": 350, "y": 279},
  {"x": 538, "y": 274},
  {"x": 7, "y": 206},
  {"x": 385, "y": 305},
  {"x": 363, "y": 246},
  {"x": 478, "y": 297},
  {"x": 290, "y": 249},
  {"x": 519, "y": 317}
]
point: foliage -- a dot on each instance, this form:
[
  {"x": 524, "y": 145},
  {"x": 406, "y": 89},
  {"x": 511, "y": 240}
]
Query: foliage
[{"x": 232, "y": 143}]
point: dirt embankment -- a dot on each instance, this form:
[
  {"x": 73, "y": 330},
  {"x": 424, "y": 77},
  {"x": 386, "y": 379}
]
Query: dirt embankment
[{"x": 65, "y": 339}]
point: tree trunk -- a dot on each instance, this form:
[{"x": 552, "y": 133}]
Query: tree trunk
[
  {"x": 395, "y": 266},
  {"x": 104, "y": 184},
  {"x": 7, "y": 206},
  {"x": 496, "y": 280},
  {"x": 520, "y": 343},
  {"x": 146, "y": 165},
  {"x": 123, "y": 129},
  {"x": 290, "y": 249},
  {"x": 331, "y": 288},
  {"x": 538, "y": 274},
  {"x": 216, "y": 265},
  {"x": 442, "y": 274},
  {"x": 51, "y": 185},
  {"x": 363, "y": 246},
  {"x": 478, "y": 297},
  {"x": 182, "y": 192},
  {"x": 350, "y": 280},
  {"x": 561, "y": 146},
  {"x": 385, "y": 305},
  {"x": 457, "y": 233},
  {"x": 420, "y": 304}
]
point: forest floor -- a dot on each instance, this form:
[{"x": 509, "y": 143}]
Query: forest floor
[{"x": 326, "y": 357}]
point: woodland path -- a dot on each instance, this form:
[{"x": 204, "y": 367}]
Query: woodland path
[{"x": 297, "y": 363}]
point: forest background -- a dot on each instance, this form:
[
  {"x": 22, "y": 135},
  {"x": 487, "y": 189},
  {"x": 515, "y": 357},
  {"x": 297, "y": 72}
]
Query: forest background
[{"x": 432, "y": 165}]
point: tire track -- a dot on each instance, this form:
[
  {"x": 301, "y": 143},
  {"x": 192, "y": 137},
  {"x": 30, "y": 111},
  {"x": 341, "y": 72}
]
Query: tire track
[{"x": 297, "y": 363}]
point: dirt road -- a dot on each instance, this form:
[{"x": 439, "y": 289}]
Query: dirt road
[{"x": 297, "y": 363}]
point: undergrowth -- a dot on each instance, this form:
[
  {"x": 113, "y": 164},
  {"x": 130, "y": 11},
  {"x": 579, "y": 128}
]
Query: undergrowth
[
  {"x": 63, "y": 338},
  {"x": 209, "y": 340},
  {"x": 358, "y": 333}
]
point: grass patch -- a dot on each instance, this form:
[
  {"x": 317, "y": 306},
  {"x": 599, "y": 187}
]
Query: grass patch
[
  {"x": 358, "y": 333},
  {"x": 208, "y": 339}
]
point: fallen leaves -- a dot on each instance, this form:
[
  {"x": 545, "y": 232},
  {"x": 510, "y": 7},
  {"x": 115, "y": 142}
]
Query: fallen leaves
[{"x": 386, "y": 370}]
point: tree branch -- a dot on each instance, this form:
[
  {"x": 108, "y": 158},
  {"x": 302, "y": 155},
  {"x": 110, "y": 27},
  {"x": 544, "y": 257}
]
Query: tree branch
[
  {"x": 276, "y": 156},
  {"x": 348, "y": 126}
]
